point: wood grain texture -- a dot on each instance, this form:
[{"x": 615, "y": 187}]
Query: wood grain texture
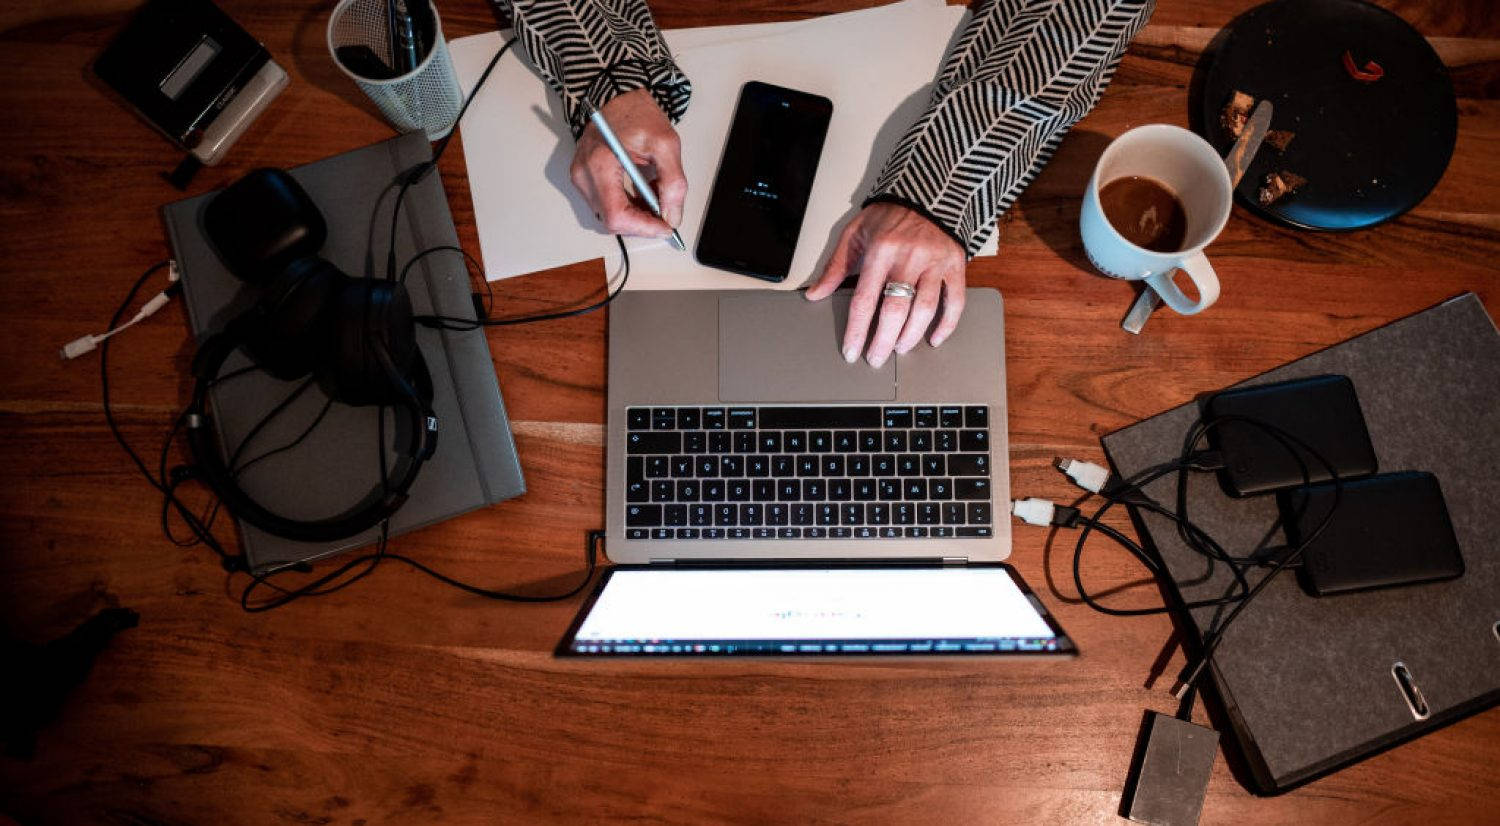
[{"x": 401, "y": 700}]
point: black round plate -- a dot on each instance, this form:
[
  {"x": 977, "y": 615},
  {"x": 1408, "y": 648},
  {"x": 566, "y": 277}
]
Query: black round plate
[{"x": 1369, "y": 151}]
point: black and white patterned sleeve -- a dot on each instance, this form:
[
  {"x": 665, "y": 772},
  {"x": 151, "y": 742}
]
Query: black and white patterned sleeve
[
  {"x": 595, "y": 50},
  {"x": 1022, "y": 73}
]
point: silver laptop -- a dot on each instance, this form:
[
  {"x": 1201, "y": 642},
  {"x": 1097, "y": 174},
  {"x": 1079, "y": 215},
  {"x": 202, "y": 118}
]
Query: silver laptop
[{"x": 736, "y": 431}]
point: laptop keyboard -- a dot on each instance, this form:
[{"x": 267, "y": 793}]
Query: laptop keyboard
[{"x": 808, "y": 472}]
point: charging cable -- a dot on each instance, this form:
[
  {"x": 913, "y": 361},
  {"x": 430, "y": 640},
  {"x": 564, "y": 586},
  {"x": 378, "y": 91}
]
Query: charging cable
[{"x": 87, "y": 344}]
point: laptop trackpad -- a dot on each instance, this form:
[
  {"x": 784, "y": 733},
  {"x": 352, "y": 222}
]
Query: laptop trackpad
[{"x": 780, "y": 347}]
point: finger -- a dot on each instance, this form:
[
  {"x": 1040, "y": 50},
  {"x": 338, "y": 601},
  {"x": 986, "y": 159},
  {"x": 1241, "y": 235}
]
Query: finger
[
  {"x": 620, "y": 215},
  {"x": 953, "y": 305},
  {"x": 893, "y": 313},
  {"x": 924, "y": 307},
  {"x": 671, "y": 182},
  {"x": 837, "y": 268},
  {"x": 876, "y": 264}
]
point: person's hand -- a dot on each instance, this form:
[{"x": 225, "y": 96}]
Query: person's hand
[
  {"x": 648, "y": 136},
  {"x": 891, "y": 244}
]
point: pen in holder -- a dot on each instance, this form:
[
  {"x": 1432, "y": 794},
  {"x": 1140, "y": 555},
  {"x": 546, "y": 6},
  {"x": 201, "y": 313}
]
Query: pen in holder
[{"x": 395, "y": 52}]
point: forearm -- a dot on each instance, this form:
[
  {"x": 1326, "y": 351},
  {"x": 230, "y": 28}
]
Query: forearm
[
  {"x": 1020, "y": 76},
  {"x": 595, "y": 50}
]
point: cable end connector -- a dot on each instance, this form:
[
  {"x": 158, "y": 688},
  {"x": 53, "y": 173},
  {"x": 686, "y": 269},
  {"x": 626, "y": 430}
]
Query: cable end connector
[
  {"x": 80, "y": 346},
  {"x": 1086, "y": 475},
  {"x": 1044, "y": 512}
]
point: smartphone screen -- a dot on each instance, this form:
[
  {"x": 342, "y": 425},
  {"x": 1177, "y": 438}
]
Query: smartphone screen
[{"x": 765, "y": 177}]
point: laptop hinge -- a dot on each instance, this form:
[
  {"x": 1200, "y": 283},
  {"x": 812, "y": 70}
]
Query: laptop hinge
[{"x": 955, "y": 560}]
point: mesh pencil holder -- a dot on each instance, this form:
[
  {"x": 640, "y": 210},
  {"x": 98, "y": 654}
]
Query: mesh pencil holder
[{"x": 427, "y": 97}]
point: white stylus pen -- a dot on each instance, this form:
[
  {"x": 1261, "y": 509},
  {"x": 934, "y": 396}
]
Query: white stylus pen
[{"x": 642, "y": 188}]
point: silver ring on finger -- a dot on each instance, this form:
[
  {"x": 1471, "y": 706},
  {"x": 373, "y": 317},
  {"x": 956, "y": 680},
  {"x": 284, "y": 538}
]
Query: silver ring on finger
[{"x": 898, "y": 289}]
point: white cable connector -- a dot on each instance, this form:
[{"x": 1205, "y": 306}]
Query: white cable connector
[
  {"x": 1033, "y": 511},
  {"x": 1086, "y": 475},
  {"x": 89, "y": 343}
]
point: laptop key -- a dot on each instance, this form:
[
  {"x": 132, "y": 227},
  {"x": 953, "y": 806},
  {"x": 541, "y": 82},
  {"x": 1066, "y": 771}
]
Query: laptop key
[
  {"x": 726, "y": 515},
  {"x": 924, "y": 417},
  {"x": 788, "y": 533},
  {"x": 707, "y": 466},
  {"x": 638, "y": 418},
  {"x": 642, "y": 516},
  {"x": 898, "y": 417},
  {"x": 840, "y": 533},
  {"x": 845, "y": 441},
  {"x": 808, "y": 418},
  {"x": 777, "y": 514},
  {"x": 638, "y": 533},
  {"x": 807, "y": 466},
  {"x": 982, "y": 531},
  {"x": 929, "y": 513},
  {"x": 745, "y": 442},
  {"x": 758, "y": 466},
  {"x": 713, "y": 490},
  {"x": 916, "y": 533},
  {"x": 903, "y": 513},
  {"x": 794, "y": 441},
  {"x": 945, "y": 441},
  {"x": 950, "y": 416},
  {"x": 941, "y": 532},
  {"x": 915, "y": 489},
  {"x": 976, "y": 416},
  {"x": 858, "y": 465},
  {"x": 934, "y": 465},
  {"x": 974, "y": 440},
  {"x": 909, "y": 464},
  {"x": 737, "y": 533},
  {"x": 828, "y": 514},
  {"x": 663, "y": 418},
  {"x": 752, "y": 514},
  {"x": 682, "y": 466},
  {"x": 890, "y": 533},
  {"x": 814, "y": 533},
  {"x": 732, "y": 465},
  {"x": 789, "y": 490},
  {"x": 883, "y": 464},
  {"x": 865, "y": 532},
  {"x": 895, "y": 440},
  {"x": 663, "y": 490},
  {"x": 953, "y": 513},
  {"x": 820, "y": 441},
  {"x": 971, "y": 489},
  {"x": 969, "y": 464},
  {"x": 687, "y": 491},
  {"x": 833, "y": 466},
  {"x": 642, "y": 442},
  {"x": 737, "y": 490},
  {"x": 865, "y": 490},
  {"x": 638, "y": 491},
  {"x": 890, "y": 489},
  {"x": 741, "y": 418},
  {"x": 802, "y": 514},
  {"x": 687, "y": 418},
  {"x": 770, "y": 441},
  {"x": 694, "y": 441},
  {"x": 878, "y": 513},
  {"x": 852, "y": 514},
  {"x": 814, "y": 490},
  {"x": 870, "y": 441},
  {"x": 713, "y": 418},
  {"x": 763, "y": 490},
  {"x": 718, "y": 442},
  {"x": 657, "y": 467},
  {"x": 763, "y": 533},
  {"x": 687, "y": 533},
  {"x": 661, "y": 533},
  {"x": 700, "y": 515},
  {"x": 840, "y": 490},
  {"x": 783, "y": 466},
  {"x": 921, "y": 440},
  {"x": 939, "y": 488},
  {"x": 979, "y": 513},
  {"x": 713, "y": 533},
  {"x": 675, "y": 516}
]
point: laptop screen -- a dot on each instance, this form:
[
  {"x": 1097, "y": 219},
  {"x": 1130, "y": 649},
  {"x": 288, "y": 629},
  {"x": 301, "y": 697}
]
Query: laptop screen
[{"x": 763, "y": 611}]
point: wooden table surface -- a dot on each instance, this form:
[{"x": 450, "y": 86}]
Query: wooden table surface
[{"x": 401, "y": 700}]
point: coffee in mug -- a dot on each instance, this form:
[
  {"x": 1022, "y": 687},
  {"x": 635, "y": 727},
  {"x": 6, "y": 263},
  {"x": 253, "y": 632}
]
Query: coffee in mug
[{"x": 1145, "y": 212}]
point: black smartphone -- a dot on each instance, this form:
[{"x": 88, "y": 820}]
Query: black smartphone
[{"x": 765, "y": 177}]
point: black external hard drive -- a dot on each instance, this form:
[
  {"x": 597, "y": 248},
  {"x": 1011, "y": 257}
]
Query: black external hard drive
[
  {"x": 1319, "y": 412},
  {"x": 1387, "y": 530}
]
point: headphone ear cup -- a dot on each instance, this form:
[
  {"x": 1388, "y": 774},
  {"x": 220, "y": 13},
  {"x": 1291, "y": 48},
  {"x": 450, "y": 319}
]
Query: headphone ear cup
[
  {"x": 288, "y": 338},
  {"x": 371, "y": 322}
]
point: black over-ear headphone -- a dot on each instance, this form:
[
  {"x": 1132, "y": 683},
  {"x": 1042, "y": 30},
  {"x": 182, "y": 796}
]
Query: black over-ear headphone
[{"x": 355, "y": 335}]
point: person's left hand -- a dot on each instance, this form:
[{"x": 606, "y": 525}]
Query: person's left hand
[{"x": 889, "y": 243}]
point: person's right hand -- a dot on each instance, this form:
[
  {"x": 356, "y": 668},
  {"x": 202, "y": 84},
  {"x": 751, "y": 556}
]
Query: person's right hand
[{"x": 648, "y": 136}]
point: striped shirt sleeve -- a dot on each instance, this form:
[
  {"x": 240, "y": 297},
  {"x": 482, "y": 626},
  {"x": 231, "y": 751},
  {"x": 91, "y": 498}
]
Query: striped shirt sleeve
[
  {"x": 1022, "y": 73},
  {"x": 595, "y": 50}
]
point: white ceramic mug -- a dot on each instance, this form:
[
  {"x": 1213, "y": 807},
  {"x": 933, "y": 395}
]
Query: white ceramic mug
[{"x": 1188, "y": 166}]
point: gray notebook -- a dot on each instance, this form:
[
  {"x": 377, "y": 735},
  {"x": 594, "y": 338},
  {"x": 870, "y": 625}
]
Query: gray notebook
[
  {"x": 337, "y": 465},
  {"x": 1307, "y": 682}
]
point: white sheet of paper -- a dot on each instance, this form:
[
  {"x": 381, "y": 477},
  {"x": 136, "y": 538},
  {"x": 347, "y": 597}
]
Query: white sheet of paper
[{"x": 877, "y": 66}]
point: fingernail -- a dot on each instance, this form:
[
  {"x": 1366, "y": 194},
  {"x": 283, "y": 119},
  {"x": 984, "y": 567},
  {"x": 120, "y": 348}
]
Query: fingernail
[
  {"x": 877, "y": 361},
  {"x": 851, "y": 355},
  {"x": 901, "y": 351},
  {"x": 937, "y": 340}
]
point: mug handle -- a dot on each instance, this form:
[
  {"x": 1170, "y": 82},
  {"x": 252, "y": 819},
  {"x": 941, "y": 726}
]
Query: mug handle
[{"x": 1200, "y": 272}]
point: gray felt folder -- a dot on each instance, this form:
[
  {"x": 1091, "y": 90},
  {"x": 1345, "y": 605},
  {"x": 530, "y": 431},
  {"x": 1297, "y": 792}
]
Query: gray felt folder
[
  {"x": 337, "y": 465},
  {"x": 1307, "y": 682}
]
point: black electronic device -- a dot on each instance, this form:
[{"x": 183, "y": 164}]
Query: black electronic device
[
  {"x": 1170, "y": 772},
  {"x": 765, "y": 178},
  {"x": 1258, "y": 430},
  {"x": 355, "y": 335},
  {"x": 192, "y": 73},
  {"x": 1387, "y": 530}
]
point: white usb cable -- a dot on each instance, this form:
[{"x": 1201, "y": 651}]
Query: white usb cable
[{"x": 89, "y": 343}]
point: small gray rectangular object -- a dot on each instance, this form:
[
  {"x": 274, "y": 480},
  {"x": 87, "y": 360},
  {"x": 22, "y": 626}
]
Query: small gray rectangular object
[{"x": 1174, "y": 772}]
